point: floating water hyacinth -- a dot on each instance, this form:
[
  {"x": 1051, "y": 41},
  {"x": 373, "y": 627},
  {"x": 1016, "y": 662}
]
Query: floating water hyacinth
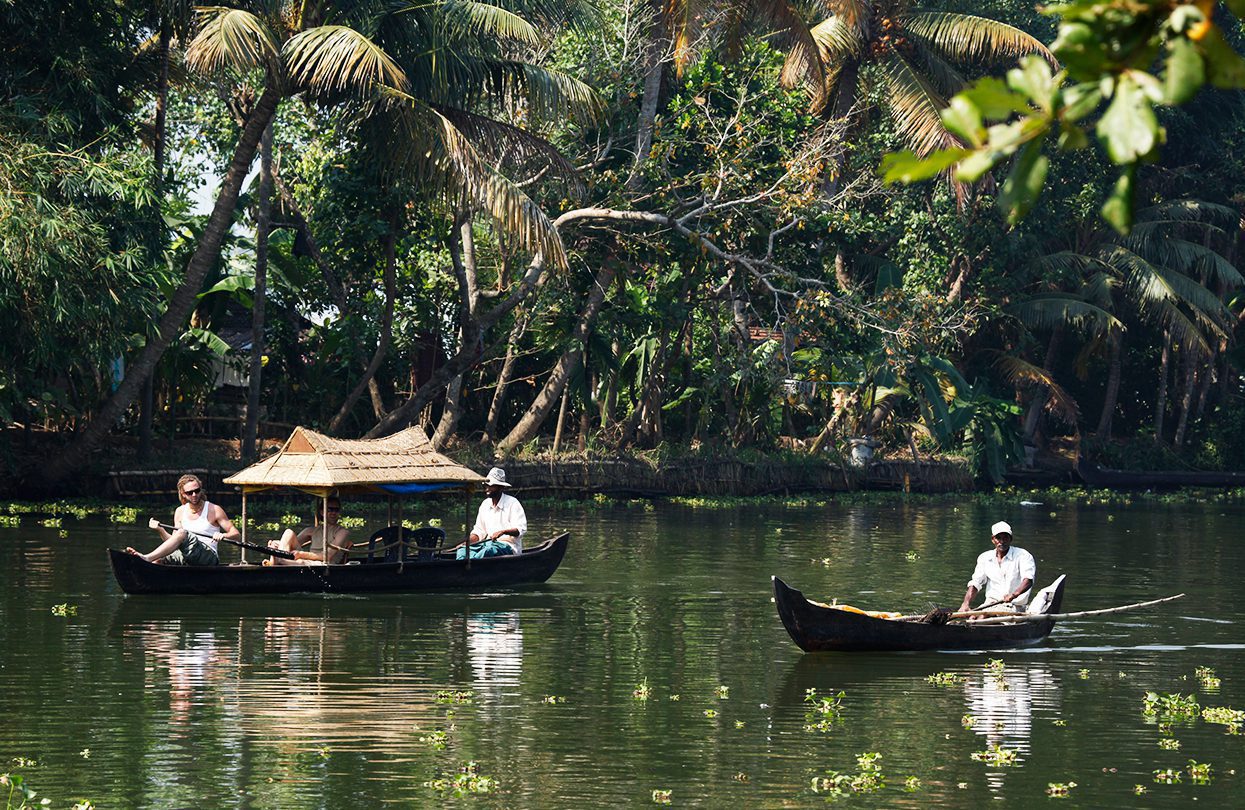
[
  {"x": 454, "y": 696},
  {"x": 911, "y": 784},
  {"x": 945, "y": 679},
  {"x": 1170, "y": 707},
  {"x": 823, "y": 710},
  {"x": 51, "y": 523},
  {"x": 642, "y": 690},
  {"x": 64, "y": 609},
  {"x": 1060, "y": 790},
  {"x": 724, "y": 692},
  {"x": 663, "y": 796},
  {"x": 553, "y": 699},
  {"x": 122, "y": 514},
  {"x": 1166, "y": 776},
  {"x": 1206, "y": 676},
  {"x": 968, "y": 721},
  {"x": 1199, "y": 772},
  {"x": 467, "y": 782},
  {"x": 1169, "y": 744},
  {"x": 997, "y": 755}
]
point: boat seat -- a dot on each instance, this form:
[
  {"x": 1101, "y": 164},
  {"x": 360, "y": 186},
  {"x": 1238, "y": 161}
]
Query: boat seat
[
  {"x": 422, "y": 544},
  {"x": 398, "y": 543},
  {"x": 1042, "y": 602}
]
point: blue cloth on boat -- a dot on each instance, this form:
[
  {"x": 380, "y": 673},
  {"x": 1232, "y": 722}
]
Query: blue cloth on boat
[{"x": 487, "y": 548}]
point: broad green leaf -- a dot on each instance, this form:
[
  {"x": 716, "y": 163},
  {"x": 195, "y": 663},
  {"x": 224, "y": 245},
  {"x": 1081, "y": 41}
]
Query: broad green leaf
[
  {"x": 1072, "y": 137},
  {"x": 964, "y": 119},
  {"x": 1129, "y": 129},
  {"x": 906, "y": 167},
  {"x": 1118, "y": 209},
  {"x": 993, "y": 98},
  {"x": 1024, "y": 182},
  {"x": 1033, "y": 78},
  {"x": 973, "y": 166},
  {"x": 1185, "y": 72},
  {"x": 1080, "y": 49},
  {"x": 1080, "y": 100}
]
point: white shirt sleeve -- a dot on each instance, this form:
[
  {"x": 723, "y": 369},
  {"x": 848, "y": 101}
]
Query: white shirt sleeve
[
  {"x": 980, "y": 575},
  {"x": 518, "y": 518},
  {"x": 1028, "y": 567},
  {"x": 479, "y": 530}
]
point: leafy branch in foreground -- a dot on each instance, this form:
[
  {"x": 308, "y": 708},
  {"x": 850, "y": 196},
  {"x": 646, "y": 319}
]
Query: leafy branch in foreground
[{"x": 1130, "y": 57}]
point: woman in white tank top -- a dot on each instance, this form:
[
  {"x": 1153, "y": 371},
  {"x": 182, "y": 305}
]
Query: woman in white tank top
[{"x": 200, "y": 525}]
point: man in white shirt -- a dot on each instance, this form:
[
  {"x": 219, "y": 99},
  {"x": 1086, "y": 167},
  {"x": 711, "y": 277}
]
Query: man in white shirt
[
  {"x": 500, "y": 523},
  {"x": 1005, "y": 574}
]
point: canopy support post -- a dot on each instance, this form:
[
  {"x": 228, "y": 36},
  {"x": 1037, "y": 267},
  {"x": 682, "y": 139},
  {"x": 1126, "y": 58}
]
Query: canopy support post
[
  {"x": 467, "y": 522},
  {"x": 244, "y": 526}
]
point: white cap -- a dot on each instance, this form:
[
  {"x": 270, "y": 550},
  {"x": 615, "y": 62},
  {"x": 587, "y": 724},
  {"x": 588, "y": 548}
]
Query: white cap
[
  {"x": 1002, "y": 527},
  {"x": 496, "y": 477}
]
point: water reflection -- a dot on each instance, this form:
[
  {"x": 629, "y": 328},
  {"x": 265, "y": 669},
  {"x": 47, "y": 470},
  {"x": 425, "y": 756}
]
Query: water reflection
[
  {"x": 495, "y": 649},
  {"x": 1001, "y": 700}
]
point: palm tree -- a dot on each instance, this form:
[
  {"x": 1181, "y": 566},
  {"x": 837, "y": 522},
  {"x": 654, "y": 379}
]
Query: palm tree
[
  {"x": 911, "y": 51},
  {"x": 422, "y": 68}
]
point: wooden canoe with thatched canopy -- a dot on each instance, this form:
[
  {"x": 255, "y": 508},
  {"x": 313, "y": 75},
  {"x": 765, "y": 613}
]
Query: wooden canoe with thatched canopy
[{"x": 403, "y": 464}]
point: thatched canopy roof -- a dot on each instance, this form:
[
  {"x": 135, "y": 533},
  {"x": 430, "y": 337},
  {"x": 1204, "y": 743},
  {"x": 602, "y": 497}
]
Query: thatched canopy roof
[{"x": 319, "y": 464}]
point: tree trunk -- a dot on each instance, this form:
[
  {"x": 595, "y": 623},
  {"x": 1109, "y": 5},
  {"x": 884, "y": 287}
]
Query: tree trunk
[
  {"x": 1111, "y": 396},
  {"x": 147, "y": 408},
  {"x": 1160, "y": 401},
  {"x": 557, "y": 433},
  {"x": 263, "y": 224},
  {"x": 171, "y": 324},
  {"x": 631, "y": 425},
  {"x": 503, "y": 381},
  {"x": 1040, "y": 395},
  {"x": 1206, "y": 371},
  {"x": 1186, "y": 398},
  {"x": 463, "y": 255},
  {"x": 368, "y": 380},
  {"x": 654, "y": 67},
  {"x": 564, "y": 369}
]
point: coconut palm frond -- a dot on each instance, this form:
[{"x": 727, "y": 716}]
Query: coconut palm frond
[
  {"x": 915, "y": 106},
  {"x": 853, "y": 12},
  {"x": 1020, "y": 373},
  {"x": 488, "y": 20},
  {"x": 1099, "y": 290},
  {"x": 333, "y": 59},
  {"x": 512, "y": 145},
  {"x": 551, "y": 95},
  {"x": 1190, "y": 257},
  {"x": 1182, "y": 329},
  {"x": 430, "y": 146},
  {"x": 836, "y": 40},
  {"x": 1189, "y": 211},
  {"x": 1057, "y": 309},
  {"x": 803, "y": 66},
  {"x": 685, "y": 19},
  {"x": 230, "y": 38},
  {"x": 1206, "y": 305},
  {"x": 942, "y": 74},
  {"x": 967, "y": 37},
  {"x": 1063, "y": 263}
]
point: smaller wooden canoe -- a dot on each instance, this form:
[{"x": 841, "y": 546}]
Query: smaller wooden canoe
[
  {"x": 443, "y": 573},
  {"x": 816, "y": 628}
]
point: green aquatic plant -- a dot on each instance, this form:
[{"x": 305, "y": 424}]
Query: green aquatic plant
[
  {"x": 290, "y": 519},
  {"x": 663, "y": 796},
  {"x": 1206, "y": 676},
  {"x": 1170, "y": 707},
  {"x": 997, "y": 755},
  {"x": 64, "y": 610},
  {"x": 1166, "y": 776},
  {"x": 122, "y": 514},
  {"x": 823, "y": 711},
  {"x": 1199, "y": 772},
  {"x": 437, "y": 739},
  {"x": 454, "y": 696},
  {"x": 51, "y": 523},
  {"x": 1059, "y": 722},
  {"x": 945, "y": 679},
  {"x": 24, "y": 762},
  {"x": 711, "y": 713},
  {"x": 1232, "y": 718},
  {"x": 968, "y": 721},
  {"x": 911, "y": 556},
  {"x": 1140, "y": 790},
  {"x": 642, "y": 690},
  {"x": 10, "y": 521},
  {"x": 1083, "y": 673},
  {"x": 867, "y": 779},
  {"x": 911, "y": 784},
  {"x": 1169, "y": 744},
  {"x": 739, "y": 724},
  {"x": 352, "y": 522},
  {"x": 1060, "y": 790},
  {"x": 467, "y": 782},
  {"x": 723, "y": 692},
  {"x": 20, "y": 796},
  {"x": 553, "y": 699},
  {"x": 995, "y": 667}
]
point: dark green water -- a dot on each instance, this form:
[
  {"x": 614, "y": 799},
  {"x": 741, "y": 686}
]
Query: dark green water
[{"x": 292, "y": 702}]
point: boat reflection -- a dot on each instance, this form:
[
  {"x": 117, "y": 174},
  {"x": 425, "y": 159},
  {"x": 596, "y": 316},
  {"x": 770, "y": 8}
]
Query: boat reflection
[{"x": 298, "y": 682}]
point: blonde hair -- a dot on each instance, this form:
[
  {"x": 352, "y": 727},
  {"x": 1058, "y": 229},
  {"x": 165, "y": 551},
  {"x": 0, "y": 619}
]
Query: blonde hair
[{"x": 181, "y": 485}]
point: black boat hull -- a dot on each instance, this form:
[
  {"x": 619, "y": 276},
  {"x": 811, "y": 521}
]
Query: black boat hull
[
  {"x": 534, "y": 566},
  {"x": 821, "y": 629}
]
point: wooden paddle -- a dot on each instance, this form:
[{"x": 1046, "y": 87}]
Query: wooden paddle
[
  {"x": 275, "y": 552},
  {"x": 1041, "y": 617},
  {"x": 958, "y": 615}
]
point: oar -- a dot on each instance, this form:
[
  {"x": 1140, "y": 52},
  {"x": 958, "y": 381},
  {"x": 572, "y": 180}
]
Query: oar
[
  {"x": 275, "y": 552},
  {"x": 1041, "y": 617}
]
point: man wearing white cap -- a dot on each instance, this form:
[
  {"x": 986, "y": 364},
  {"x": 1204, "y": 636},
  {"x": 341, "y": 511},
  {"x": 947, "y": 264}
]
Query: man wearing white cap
[
  {"x": 1006, "y": 574},
  {"x": 500, "y": 523}
]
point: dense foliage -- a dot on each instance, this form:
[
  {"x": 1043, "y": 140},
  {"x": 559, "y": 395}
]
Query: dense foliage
[{"x": 621, "y": 226}]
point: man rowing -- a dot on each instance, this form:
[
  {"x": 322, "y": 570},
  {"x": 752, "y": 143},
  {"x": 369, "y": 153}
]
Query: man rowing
[
  {"x": 198, "y": 527},
  {"x": 500, "y": 521},
  {"x": 1005, "y": 573}
]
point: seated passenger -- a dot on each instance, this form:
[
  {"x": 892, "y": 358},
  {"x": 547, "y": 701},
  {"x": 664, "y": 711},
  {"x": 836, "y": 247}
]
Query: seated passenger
[{"x": 308, "y": 545}]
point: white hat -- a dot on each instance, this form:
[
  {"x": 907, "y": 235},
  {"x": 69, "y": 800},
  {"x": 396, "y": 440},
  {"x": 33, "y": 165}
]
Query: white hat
[
  {"x": 1002, "y": 527},
  {"x": 496, "y": 477}
]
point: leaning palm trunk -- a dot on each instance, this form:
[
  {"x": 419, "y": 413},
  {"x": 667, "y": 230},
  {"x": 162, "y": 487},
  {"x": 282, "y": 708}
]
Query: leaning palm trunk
[
  {"x": 184, "y": 298},
  {"x": 564, "y": 369},
  {"x": 503, "y": 382},
  {"x": 654, "y": 67}
]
